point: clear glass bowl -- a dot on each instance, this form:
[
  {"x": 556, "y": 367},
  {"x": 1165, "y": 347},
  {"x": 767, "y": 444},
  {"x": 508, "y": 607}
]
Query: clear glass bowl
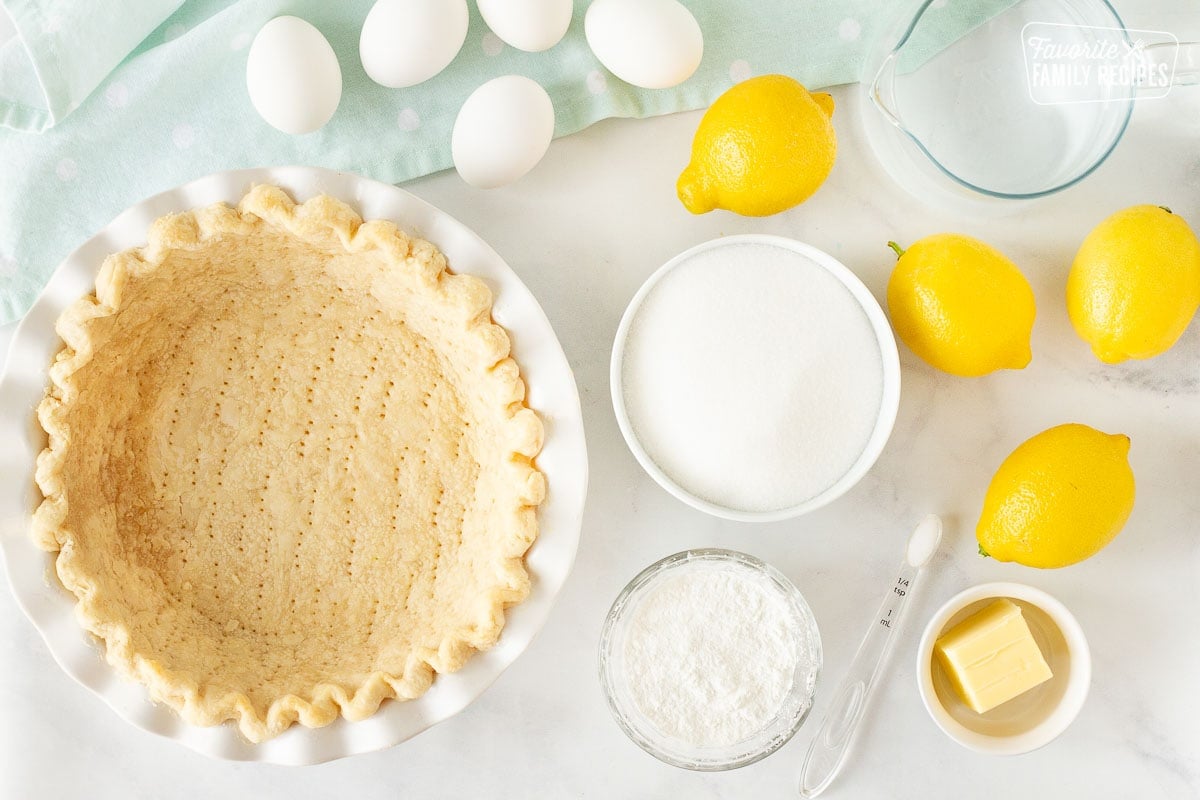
[{"x": 794, "y": 709}]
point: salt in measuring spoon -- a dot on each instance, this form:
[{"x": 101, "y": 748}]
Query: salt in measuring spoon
[{"x": 832, "y": 742}]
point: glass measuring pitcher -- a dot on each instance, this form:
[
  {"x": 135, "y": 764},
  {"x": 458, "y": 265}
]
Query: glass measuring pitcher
[{"x": 978, "y": 99}]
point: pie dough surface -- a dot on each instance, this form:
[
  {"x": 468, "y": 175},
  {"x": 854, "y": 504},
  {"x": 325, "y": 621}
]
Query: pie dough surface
[{"x": 290, "y": 469}]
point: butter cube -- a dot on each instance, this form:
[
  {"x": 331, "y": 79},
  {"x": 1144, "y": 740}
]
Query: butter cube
[{"x": 991, "y": 656}]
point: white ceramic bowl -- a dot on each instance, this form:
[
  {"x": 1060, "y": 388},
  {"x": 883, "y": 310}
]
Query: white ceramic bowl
[
  {"x": 1030, "y": 720},
  {"x": 888, "y": 405},
  {"x": 551, "y": 390}
]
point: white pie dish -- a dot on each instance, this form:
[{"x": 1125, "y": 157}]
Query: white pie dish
[{"x": 551, "y": 391}]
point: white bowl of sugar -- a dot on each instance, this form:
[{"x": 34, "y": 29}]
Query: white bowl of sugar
[{"x": 755, "y": 378}]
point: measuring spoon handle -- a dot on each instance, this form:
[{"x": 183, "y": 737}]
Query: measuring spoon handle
[{"x": 829, "y": 747}]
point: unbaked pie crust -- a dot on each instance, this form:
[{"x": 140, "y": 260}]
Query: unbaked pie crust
[{"x": 290, "y": 468}]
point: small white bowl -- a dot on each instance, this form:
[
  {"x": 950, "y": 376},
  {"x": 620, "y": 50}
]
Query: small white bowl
[
  {"x": 889, "y": 399},
  {"x": 1030, "y": 720}
]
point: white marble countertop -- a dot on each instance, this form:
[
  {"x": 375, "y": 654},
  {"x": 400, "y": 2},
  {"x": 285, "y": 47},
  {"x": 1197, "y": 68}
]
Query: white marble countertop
[{"x": 583, "y": 231}]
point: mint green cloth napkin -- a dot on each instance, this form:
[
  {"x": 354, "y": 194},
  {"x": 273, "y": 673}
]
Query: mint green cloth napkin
[
  {"x": 62, "y": 50},
  {"x": 162, "y": 99}
]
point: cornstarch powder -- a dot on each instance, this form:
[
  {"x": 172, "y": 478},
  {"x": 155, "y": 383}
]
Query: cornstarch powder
[{"x": 710, "y": 655}]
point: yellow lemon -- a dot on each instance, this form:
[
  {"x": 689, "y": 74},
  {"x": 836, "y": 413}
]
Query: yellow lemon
[
  {"x": 1058, "y": 498},
  {"x": 1135, "y": 284},
  {"x": 961, "y": 305},
  {"x": 764, "y": 146}
]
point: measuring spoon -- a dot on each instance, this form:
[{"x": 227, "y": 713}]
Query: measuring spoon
[{"x": 829, "y": 747}]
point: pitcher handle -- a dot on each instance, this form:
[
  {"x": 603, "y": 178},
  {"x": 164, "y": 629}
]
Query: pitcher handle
[{"x": 1182, "y": 60}]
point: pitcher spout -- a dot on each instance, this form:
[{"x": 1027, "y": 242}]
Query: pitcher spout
[{"x": 883, "y": 91}]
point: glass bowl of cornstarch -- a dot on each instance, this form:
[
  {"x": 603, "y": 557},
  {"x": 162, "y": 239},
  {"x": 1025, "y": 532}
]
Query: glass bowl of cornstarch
[{"x": 709, "y": 659}]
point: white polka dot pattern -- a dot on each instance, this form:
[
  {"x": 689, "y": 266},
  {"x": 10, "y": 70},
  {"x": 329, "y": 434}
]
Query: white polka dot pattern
[
  {"x": 491, "y": 44},
  {"x": 408, "y": 120}
]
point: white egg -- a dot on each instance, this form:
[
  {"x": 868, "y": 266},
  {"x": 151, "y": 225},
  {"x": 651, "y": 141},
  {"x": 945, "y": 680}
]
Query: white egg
[
  {"x": 293, "y": 76},
  {"x": 530, "y": 25},
  {"x": 406, "y": 42},
  {"x": 502, "y": 131},
  {"x": 654, "y": 44}
]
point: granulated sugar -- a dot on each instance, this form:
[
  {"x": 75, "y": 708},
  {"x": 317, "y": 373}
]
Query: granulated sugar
[
  {"x": 752, "y": 377},
  {"x": 711, "y": 654}
]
